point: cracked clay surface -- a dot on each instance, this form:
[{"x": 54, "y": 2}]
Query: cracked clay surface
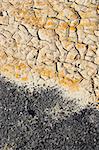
[{"x": 51, "y": 42}]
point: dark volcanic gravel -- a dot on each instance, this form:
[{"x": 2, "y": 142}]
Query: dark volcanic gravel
[{"x": 24, "y": 125}]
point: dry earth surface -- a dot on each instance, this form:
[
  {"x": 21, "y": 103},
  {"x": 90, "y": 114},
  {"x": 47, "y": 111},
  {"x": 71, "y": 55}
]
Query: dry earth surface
[
  {"x": 51, "y": 42},
  {"x": 51, "y": 46}
]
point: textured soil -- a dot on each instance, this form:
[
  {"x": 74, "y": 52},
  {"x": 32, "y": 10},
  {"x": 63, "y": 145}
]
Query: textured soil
[
  {"x": 45, "y": 40},
  {"x": 49, "y": 75}
]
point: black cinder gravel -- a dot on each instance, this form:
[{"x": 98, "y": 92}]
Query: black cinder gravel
[{"x": 24, "y": 125}]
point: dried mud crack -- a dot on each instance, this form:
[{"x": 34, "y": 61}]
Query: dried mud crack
[{"x": 51, "y": 42}]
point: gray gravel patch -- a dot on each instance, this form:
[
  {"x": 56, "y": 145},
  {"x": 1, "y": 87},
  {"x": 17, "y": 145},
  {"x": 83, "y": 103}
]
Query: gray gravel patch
[{"x": 24, "y": 124}]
